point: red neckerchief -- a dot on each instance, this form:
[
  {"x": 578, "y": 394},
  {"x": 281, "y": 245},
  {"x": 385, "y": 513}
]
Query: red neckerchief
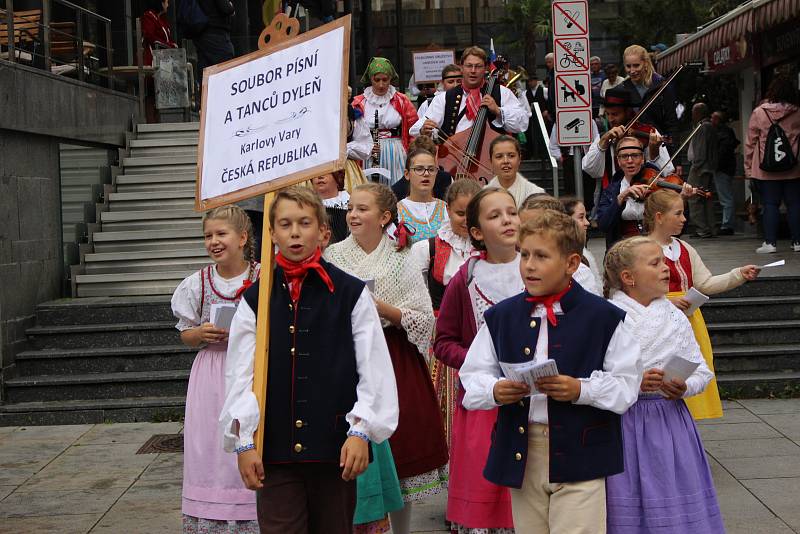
[
  {"x": 245, "y": 284},
  {"x": 548, "y": 301},
  {"x": 296, "y": 272},
  {"x": 474, "y": 98}
]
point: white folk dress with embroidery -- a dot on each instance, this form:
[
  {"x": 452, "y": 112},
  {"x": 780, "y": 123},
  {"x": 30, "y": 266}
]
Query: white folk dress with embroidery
[
  {"x": 461, "y": 247},
  {"x": 491, "y": 283},
  {"x": 339, "y": 201},
  {"x": 212, "y": 488},
  {"x": 393, "y": 155},
  {"x": 663, "y": 330}
]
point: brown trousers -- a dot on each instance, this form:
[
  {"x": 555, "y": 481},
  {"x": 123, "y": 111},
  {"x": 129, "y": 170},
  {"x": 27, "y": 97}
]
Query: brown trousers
[{"x": 306, "y": 498}]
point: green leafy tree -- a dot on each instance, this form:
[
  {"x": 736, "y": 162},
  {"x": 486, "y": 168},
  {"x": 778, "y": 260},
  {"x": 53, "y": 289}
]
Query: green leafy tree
[{"x": 526, "y": 21}]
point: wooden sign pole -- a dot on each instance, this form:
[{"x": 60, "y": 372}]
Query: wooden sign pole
[{"x": 281, "y": 29}]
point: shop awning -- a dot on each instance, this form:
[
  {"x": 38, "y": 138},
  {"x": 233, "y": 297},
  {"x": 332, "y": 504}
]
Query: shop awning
[{"x": 750, "y": 17}]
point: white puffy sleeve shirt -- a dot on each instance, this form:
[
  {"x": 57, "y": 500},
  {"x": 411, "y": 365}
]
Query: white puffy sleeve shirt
[{"x": 375, "y": 412}]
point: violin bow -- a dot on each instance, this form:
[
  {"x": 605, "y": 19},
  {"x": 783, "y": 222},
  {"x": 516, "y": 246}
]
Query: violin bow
[
  {"x": 675, "y": 155},
  {"x": 653, "y": 98}
]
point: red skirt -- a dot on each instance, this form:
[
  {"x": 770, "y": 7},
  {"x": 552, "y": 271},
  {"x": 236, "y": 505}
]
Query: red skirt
[{"x": 418, "y": 444}]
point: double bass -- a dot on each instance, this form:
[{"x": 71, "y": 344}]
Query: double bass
[{"x": 466, "y": 153}]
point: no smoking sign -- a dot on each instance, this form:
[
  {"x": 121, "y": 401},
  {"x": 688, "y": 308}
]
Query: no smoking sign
[{"x": 570, "y": 19}]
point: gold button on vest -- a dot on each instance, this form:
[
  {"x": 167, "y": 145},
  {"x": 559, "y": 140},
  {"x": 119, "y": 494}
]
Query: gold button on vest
[
  {"x": 292, "y": 351},
  {"x": 299, "y": 423},
  {"x": 291, "y": 329},
  {"x": 517, "y": 456},
  {"x": 527, "y": 351},
  {"x": 521, "y": 430},
  {"x": 298, "y": 447},
  {"x": 533, "y": 324}
]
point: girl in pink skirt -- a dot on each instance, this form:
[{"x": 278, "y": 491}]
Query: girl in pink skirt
[{"x": 214, "y": 498}]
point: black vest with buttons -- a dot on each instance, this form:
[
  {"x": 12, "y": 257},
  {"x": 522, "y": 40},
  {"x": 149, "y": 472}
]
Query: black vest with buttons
[
  {"x": 585, "y": 442},
  {"x": 452, "y": 108},
  {"x": 312, "y": 378}
]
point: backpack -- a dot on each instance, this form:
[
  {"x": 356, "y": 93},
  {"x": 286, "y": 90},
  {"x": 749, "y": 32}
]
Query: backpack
[
  {"x": 191, "y": 19},
  {"x": 778, "y": 155}
]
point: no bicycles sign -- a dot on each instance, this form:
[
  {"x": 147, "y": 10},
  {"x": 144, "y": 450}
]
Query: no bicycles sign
[{"x": 572, "y": 76}]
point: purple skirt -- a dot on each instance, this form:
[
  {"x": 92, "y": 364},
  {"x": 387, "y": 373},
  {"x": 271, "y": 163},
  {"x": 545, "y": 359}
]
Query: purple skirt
[{"x": 666, "y": 487}]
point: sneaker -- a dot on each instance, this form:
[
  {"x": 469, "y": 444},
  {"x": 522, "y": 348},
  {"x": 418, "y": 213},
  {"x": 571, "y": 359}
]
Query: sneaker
[
  {"x": 796, "y": 246},
  {"x": 766, "y": 248}
]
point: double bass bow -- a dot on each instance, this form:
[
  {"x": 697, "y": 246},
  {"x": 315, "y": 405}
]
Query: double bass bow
[{"x": 466, "y": 154}]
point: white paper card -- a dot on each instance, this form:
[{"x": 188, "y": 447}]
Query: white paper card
[
  {"x": 677, "y": 367},
  {"x": 222, "y": 315},
  {"x": 778, "y": 263},
  {"x": 529, "y": 372},
  {"x": 696, "y": 299}
]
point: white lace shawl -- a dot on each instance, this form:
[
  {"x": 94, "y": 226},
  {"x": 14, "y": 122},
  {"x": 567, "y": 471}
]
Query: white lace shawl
[
  {"x": 388, "y": 117},
  {"x": 397, "y": 282},
  {"x": 662, "y": 330}
]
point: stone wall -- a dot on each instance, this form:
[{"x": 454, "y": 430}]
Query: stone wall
[{"x": 30, "y": 234}]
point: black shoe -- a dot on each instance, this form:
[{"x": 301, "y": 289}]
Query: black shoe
[
  {"x": 702, "y": 236},
  {"x": 725, "y": 231}
]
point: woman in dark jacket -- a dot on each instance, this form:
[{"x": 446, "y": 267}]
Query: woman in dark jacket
[{"x": 642, "y": 83}]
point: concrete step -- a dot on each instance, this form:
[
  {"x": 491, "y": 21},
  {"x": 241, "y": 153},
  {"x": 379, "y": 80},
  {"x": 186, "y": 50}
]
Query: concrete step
[
  {"x": 132, "y": 241},
  {"x": 168, "y": 127},
  {"x": 151, "y": 200},
  {"x": 153, "y": 223},
  {"x": 719, "y": 310},
  {"x": 758, "y": 385},
  {"x": 100, "y": 310},
  {"x": 189, "y": 151},
  {"x": 175, "y": 168},
  {"x": 65, "y": 362},
  {"x": 160, "y": 215},
  {"x": 156, "y": 161},
  {"x": 772, "y": 286},
  {"x": 754, "y": 332},
  {"x": 147, "y": 143},
  {"x": 60, "y": 412},
  {"x": 129, "y": 261},
  {"x": 134, "y": 283},
  {"x": 185, "y": 185},
  {"x": 753, "y": 358},
  {"x": 117, "y": 334},
  {"x": 43, "y": 388}
]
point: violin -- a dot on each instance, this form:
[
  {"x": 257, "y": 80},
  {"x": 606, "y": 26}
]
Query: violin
[
  {"x": 642, "y": 130},
  {"x": 654, "y": 180}
]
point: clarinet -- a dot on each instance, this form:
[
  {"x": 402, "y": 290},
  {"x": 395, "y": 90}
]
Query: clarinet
[{"x": 375, "y": 148}]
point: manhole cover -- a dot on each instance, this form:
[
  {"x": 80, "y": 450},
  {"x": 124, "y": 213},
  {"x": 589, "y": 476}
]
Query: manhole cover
[{"x": 162, "y": 443}]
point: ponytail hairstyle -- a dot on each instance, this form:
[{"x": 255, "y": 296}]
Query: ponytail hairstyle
[
  {"x": 657, "y": 202},
  {"x": 620, "y": 257},
  {"x": 569, "y": 204},
  {"x": 464, "y": 187},
  {"x": 238, "y": 219},
  {"x": 387, "y": 201},
  {"x": 474, "y": 212}
]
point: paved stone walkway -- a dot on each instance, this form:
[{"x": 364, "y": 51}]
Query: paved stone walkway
[{"x": 88, "y": 478}]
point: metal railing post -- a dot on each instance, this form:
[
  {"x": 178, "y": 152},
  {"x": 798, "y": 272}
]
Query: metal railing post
[
  {"x": 79, "y": 28},
  {"x": 46, "y": 6},
  {"x": 546, "y": 138},
  {"x": 12, "y": 52},
  {"x": 109, "y": 57},
  {"x": 140, "y": 65}
]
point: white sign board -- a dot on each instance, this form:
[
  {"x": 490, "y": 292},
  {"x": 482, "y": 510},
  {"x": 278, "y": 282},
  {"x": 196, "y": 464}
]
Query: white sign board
[
  {"x": 428, "y": 65},
  {"x": 275, "y": 117},
  {"x": 570, "y": 19},
  {"x": 573, "y": 83}
]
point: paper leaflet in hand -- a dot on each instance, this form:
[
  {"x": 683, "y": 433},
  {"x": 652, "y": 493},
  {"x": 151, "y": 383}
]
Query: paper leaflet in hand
[
  {"x": 529, "y": 372},
  {"x": 222, "y": 315},
  {"x": 677, "y": 367},
  {"x": 696, "y": 299},
  {"x": 778, "y": 263}
]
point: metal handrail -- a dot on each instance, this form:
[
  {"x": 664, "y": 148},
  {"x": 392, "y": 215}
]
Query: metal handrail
[{"x": 545, "y": 136}]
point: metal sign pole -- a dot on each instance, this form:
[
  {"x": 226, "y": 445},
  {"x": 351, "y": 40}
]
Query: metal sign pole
[{"x": 576, "y": 159}]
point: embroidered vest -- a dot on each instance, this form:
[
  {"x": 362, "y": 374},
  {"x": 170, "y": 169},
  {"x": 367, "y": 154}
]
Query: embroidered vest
[{"x": 452, "y": 110}]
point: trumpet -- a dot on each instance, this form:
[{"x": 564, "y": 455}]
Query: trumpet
[{"x": 513, "y": 76}]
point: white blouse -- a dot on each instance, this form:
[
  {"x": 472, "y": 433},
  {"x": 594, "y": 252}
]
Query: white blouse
[
  {"x": 388, "y": 117},
  {"x": 585, "y": 277},
  {"x": 663, "y": 330},
  {"x": 187, "y": 296},
  {"x": 375, "y": 412},
  {"x": 421, "y": 252}
]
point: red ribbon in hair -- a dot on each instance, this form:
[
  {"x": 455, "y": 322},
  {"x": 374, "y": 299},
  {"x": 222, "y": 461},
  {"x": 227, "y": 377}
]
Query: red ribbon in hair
[
  {"x": 296, "y": 272},
  {"x": 548, "y": 301},
  {"x": 402, "y": 233}
]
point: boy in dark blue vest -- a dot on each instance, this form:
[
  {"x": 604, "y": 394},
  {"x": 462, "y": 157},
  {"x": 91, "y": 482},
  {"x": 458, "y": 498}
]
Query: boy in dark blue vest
[
  {"x": 330, "y": 387},
  {"x": 554, "y": 448}
]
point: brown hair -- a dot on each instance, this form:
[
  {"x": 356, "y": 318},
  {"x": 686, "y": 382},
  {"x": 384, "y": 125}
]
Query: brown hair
[
  {"x": 462, "y": 187},
  {"x": 569, "y": 204},
  {"x": 504, "y": 139},
  {"x": 304, "y": 196},
  {"x": 476, "y": 51},
  {"x": 542, "y": 201},
  {"x": 384, "y": 198},
  {"x": 451, "y": 68},
  {"x": 238, "y": 219},
  {"x": 647, "y": 62},
  {"x": 657, "y": 202},
  {"x": 621, "y": 256},
  {"x": 781, "y": 89},
  {"x": 474, "y": 212},
  {"x": 559, "y": 226},
  {"x": 415, "y": 151}
]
